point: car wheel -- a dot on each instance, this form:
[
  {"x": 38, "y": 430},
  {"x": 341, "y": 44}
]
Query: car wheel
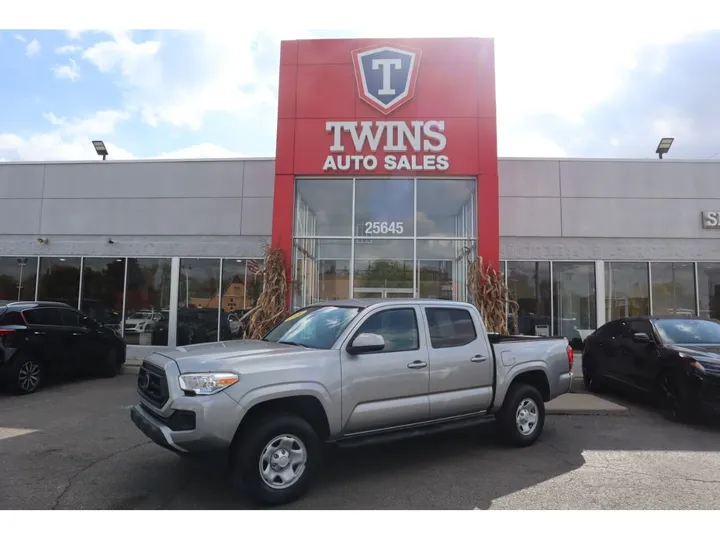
[
  {"x": 592, "y": 382},
  {"x": 522, "y": 417},
  {"x": 276, "y": 459},
  {"x": 674, "y": 399},
  {"x": 28, "y": 375},
  {"x": 110, "y": 366}
]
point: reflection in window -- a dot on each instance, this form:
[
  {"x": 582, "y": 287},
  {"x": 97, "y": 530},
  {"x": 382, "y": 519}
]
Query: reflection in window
[
  {"x": 384, "y": 207},
  {"x": 147, "y": 301},
  {"x": 323, "y": 208},
  {"x": 626, "y": 290},
  {"x": 383, "y": 269},
  {"x": 322, "y": 271},
  {"x": 398, "y": 327},
  {"x": 241, "y": 288},
  {"x": 529, "y": 285},
  {"x": 60, "y": 280},
  {"x": 198, "y": 308},
  {"x": 708, "y": 278},
  {"x": 17, "y": 278},
  {"x": 442, "y": 269},
  {"x": 445, "y": 207},
  {"x": 102, "y": 290},
  {"x": 673, "y": 289},
  {"x": 574, "y": 300}
]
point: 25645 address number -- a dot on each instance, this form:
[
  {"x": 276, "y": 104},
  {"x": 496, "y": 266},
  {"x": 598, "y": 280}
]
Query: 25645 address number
[{"x": 384, "y": 227}]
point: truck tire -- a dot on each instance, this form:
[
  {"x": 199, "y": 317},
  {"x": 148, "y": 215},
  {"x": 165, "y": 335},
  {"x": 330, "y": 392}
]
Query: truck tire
[
  {"x": 277, "y": 458},
  {"x": 522, "y": 417}
]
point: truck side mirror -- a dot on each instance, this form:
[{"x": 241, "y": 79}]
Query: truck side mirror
[{"x": 366, "y": 343}]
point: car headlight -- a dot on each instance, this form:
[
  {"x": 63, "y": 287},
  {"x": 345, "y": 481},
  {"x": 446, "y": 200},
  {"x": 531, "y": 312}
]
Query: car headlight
[{"x": 204, "y": 384}]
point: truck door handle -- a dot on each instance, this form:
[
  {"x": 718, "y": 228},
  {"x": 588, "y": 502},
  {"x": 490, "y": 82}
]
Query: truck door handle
[
  {"x": 478, "y": 358},
  {"x": 417, "y": 364}
]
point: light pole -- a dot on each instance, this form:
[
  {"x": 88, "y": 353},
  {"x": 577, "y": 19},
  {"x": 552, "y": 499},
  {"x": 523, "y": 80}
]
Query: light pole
[
  {"x": 664, "y": 146},
  {"x": 100, "y": 149}
]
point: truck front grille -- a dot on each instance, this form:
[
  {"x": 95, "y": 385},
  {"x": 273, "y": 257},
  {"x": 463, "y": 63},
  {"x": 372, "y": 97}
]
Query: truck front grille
[{"x": 152, "y": 384}]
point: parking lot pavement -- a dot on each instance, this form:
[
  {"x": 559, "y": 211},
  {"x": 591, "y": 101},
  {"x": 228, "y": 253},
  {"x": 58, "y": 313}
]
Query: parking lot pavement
[{"x": 73, "y": 446}]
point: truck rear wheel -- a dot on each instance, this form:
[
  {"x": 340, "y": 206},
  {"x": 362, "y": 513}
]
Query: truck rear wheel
[
  {"x": 522, "y": 416},
  {"x": 277, "y": 459}
]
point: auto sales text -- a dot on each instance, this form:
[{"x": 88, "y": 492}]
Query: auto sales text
[{"x": 396, "y": 136}]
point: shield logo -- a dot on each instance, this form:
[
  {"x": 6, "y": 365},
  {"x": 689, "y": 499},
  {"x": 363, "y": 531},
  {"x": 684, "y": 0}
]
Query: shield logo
[{"x": 386, "y": 75}]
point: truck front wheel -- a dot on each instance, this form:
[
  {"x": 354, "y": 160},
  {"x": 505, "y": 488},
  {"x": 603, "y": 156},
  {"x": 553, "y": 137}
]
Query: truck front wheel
[
  {"x": 276, "y": 459},
  {"x": 522, "y": 416}
]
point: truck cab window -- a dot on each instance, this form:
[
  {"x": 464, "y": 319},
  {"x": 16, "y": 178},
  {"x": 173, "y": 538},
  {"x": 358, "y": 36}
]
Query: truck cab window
[
  {"x": 398, "y": 327},
  {"x": 450, "y": 327}
]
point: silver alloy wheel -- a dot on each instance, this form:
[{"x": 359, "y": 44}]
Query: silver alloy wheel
[
  {"x": 282, "y": 461},
  {"x": 29, "y": 376},
  {"x": 526, "y": 416}
]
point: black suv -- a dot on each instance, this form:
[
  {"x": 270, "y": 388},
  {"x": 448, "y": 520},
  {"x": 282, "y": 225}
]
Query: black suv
[{"x": 38, "y": 339}]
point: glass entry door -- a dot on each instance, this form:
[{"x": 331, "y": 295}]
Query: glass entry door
[{"x": 382, "y": 292}]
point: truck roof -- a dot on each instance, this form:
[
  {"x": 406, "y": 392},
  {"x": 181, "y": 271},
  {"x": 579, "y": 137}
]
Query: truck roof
[{"x": 367, "y": 302}]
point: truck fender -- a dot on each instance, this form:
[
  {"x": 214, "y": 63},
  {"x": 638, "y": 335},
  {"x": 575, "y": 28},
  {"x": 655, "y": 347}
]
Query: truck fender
[
  {"x": 506, "y": 379},
  {"x": 294, "y": 389}
]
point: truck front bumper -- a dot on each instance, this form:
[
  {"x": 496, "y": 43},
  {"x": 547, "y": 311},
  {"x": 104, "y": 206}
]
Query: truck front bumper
[{"x": 188, "y": 424}]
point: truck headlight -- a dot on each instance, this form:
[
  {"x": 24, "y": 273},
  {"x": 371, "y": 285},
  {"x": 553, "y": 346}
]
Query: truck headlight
[{"x": 203, "y": 384}]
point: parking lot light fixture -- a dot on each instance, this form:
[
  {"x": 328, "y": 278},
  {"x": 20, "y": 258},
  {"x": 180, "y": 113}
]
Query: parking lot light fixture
[
  {"x": 100, "y": 149},
  {"x": 664, "y": 146}
]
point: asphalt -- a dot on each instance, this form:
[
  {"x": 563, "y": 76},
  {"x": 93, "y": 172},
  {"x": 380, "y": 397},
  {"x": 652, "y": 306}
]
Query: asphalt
[{"x": 72, "y": 446}]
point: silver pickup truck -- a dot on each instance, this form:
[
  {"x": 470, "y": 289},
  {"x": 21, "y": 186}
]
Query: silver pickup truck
[{"x": 349, "y": 372}]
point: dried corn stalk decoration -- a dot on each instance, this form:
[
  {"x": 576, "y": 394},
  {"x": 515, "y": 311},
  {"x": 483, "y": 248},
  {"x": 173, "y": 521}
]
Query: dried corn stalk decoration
[
  {"x": 489, "y": 293},
  {"x": 271, "y": 306}
]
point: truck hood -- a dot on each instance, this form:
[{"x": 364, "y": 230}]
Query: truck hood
[
  {"x": 232, "y": 355},
  {"x": 705, "y": 353}
]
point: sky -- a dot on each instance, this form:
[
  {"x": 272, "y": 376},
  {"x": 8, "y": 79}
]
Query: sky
[{"x": 566, "y": 90}]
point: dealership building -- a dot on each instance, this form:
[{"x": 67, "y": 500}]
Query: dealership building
[{"x": 380, "y": 187}]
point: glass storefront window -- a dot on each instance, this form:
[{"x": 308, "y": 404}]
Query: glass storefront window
[
  {"x": 708, "y": 279},
  {"x": 574, "y": 300},
  {"x": 627, "y": 290},
  {"x": 323, "y": 207},
  {"x": 385, "y": 207},
  {"x": 529, "y": 285},
  {"x": 442, "y": 269},
  {"x": 322, "y": 270},
  {"x": 405, "y": 242},
  {"x": 17, "y": 278},
  {"x": 103, "y": 283},
  {"x": 147, "y": 302},
  {"x": 383, "y": 269},
  {"x": 60, "y": 280},
  {"x": 198, "y": 303},
  {"x": 446, "y": 207},
  {"x": 673, "y": 289}
]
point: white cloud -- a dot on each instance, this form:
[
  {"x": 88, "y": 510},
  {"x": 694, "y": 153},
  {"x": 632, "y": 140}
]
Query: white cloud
[
  {"x": 20, "y": 38},
  {"x": 70, "y": 71},
  {"x": 219, "y": 71},
  {"x": 68, "y": 49},
  {"x": 33, "y": 48},
  {"x": 203, "y": 150},
  {"x": 71, "y": 140}
]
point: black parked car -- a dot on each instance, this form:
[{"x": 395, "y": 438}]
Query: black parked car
[
  {"x": 39, "y": 339},
  {"x": 675, "y": 359}
]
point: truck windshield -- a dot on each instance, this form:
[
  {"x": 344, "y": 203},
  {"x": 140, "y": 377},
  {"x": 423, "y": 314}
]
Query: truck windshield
[
  {"x": 689, "y": 331},
  {"x": 314, "y": 327}
]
